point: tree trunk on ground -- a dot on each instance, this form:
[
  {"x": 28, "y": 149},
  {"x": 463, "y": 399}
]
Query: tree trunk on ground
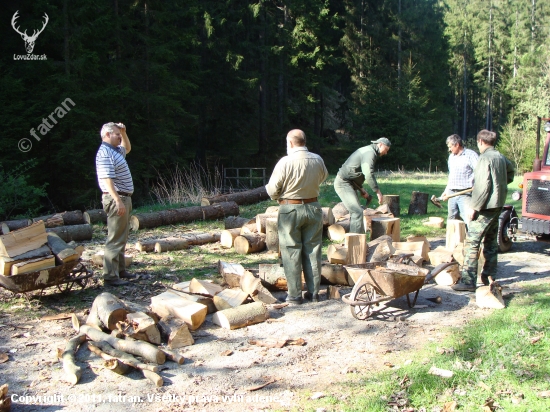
[
  {"x": 419, "y": 203},
  {"x": 183, "y": 215},
  {"x": 253, "y": 243},
  {"x": 73, "y": 218},
  {"x": 241, "y": 198},
  {"x": 233, "y": 222},
  {"x": 261, "y": 221},
  {"x": 77, "y": 233},
  {"x": 393, "y": 204},
  {"x": 95, "y": 216},
  {"x": 227, "y": 237},
  {"x": 121, "y": 355},
  {"x": 241, "y": 316},
  {"x": 272, "y": 235},
  {"x": 107, "y": 310},
  {"x": 11, "y": 225},
  {"x": 51, "y": 220}
]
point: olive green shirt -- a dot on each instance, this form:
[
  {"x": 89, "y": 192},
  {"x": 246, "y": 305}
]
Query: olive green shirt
[
  {"x": 360, "y": 166},
  {"x": 297, "y": 176},
  {"x": 492, "y": 175}
]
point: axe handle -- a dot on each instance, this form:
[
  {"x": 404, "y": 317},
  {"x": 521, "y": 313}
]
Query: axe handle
[{"x": 463, "y": 192}]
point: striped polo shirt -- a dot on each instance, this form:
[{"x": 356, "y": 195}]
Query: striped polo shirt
[{"x": 111, "y": 163}]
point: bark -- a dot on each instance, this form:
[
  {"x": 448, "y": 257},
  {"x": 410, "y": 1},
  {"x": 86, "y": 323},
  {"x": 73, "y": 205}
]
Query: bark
[
  {"x": 76, "y": 232},
  {"x": 245, "y": 244},
  {"x": 393, "y": 204},
  {"x": 241, "y": 198},
  {"x": 61, "y": 250},
  {"x": 11, "y": 225},
  {"x": 183, "y": 215},
  {"x": 107, "y": 310},
  {"x": 95, "y": 216},
  {"x": 233, "y": 222}
]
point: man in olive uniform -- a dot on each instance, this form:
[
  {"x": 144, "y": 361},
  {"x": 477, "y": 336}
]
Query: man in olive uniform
[
  {"x": 295, "y": 185},
  {"x": 351, "y": 176},
  {"x": 492, "y": 175}
]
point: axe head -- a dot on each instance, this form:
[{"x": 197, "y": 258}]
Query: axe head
[{"x": 435, "y": 201}]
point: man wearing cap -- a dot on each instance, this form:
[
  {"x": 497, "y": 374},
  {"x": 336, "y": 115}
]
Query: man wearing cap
[
  {"x": 351, "y": 176},
  {"x": 117, "y": 186},
  {"x": 294, "y": 183},
  {"x": 462, "y": 163}
]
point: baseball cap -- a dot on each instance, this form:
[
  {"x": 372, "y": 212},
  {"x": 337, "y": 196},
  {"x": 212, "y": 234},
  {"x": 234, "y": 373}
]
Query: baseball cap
[{"x": 383, "y": 140}]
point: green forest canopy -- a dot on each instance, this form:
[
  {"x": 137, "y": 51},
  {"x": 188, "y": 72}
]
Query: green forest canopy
[{"x": 220, "y": 83}]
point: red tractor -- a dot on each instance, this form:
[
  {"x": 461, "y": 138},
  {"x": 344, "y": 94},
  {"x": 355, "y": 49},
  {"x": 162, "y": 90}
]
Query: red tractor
[{"x": 535, "y": 208}]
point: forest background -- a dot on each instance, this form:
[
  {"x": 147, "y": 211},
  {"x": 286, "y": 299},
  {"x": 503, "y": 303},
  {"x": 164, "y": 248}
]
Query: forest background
[{"x": 218, "y": 84}]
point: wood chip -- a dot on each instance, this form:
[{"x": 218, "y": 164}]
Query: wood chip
[
  {"x": 449, "y": 406},
  {"x": 59, "y": 316},
  {"x": 535, "y": 339},
  {"x": 279, "y": 305},
  {"x": 269, "y": 343},
  {"x": 255, "y": 388},
  {"x": 440, "y": 372},
  {"x": 4, "y": 357},
  {"x": 297, "y": 342},
  {"x": 226, "y": 353},
  {"x": 317, "y": 395},
  {"x": 544, "y": 394}
]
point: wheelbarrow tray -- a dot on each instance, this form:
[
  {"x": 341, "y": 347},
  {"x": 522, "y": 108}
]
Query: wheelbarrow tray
[
  {"x": 389, "y": 282},
  {"x": 356, "y": 271},
  {"x": 41, "y": 279}
]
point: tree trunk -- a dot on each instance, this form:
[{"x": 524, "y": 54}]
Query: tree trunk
[
  {"x": 107, "y": 310},
  {"x": 272, "y": 235},
  {"x": 11, "y": 225},
  {"x": 234, "y": 222},
  {"x": 77, "y": 232},
  {"x": 61, "y": 250},
  {"x": 419, "y": 203},
  {"x": 227, "y": 237},
  {"x": 245, "y": 244},
  {"x": 393, "y": 204},
  {"x": 241, "y": 316},
  {"x": 183, "y": 215},
  {"x": 95, "y": 216},
  {"x": 51, "y": 220},
  {"x": 171, "y": 244},
  {"x": 339, "y": 211},
  {"x": 241, "y": 198}
]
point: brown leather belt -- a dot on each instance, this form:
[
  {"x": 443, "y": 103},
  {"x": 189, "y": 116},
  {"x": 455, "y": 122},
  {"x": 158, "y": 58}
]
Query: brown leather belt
[
  {"x": 297, "y": 201},
  {"x": 120, "y": 194}
]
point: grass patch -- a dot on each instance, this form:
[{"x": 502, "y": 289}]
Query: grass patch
[{"x": 502, "y": 357}]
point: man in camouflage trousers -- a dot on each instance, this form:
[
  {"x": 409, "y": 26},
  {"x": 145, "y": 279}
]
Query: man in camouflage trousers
[{"x": 492, "y": 175}]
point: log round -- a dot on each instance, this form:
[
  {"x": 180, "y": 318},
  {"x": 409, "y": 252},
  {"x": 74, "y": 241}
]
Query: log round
[
  {"x": 250, "y": 243},
  {"x": 95, "y": 216},
  {"x": 146, "y": 245},
  {"x": 261, "y": 221},
  {"x": 241, "y": 316},
  {"x": 339, "y": 211},
  {"x": 106, "y": 311},
  {"x": 233, "y": 222},
  {"x": 337, "y": 231},
  {"x": 227, "y": 237},
  {"x": 271, "y": 235},
  {"x": 76, "y": 232},
  {"x": 11, "y": 225},
  {"x": 419, "y": 203},
  {"x": 393, "y": 204}
]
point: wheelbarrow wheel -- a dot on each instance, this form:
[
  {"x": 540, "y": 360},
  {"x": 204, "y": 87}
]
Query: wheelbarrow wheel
[{"x": 365, "y": 293}]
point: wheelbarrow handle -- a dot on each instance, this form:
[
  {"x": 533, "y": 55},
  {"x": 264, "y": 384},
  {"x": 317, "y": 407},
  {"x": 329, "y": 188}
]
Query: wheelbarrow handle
[{"x": 439, "y": 268}]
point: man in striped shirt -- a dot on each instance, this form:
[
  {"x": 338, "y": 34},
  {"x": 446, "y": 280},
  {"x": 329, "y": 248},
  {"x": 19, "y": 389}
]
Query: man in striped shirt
[
  {"x": 462, "y": 162},
  {"x": 117, "y": 186}
]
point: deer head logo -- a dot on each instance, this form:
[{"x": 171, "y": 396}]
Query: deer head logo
[{"x": 29, "y": 40}]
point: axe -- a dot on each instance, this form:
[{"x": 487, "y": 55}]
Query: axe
[{"x": 437, "y": 200}]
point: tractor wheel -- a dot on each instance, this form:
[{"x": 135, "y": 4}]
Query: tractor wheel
[{"x": 504, "y": 240}]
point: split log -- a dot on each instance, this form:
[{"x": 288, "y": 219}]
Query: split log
[
  {"x": 170, "y": 304},
  {"x": 121, "y": 355},
  {"x": 234, "y": 222},
  {"x": 367, "y": 218},
  {"x": 183, "y": 215},
  {"x": 23, "y": 240},
  {"x": 227, "y": 237},
  {"x": 33, "y": 265},
  {"x": 182, "y": 286},
  {"x": 435, "y": 221},
  {"x": 393, "y": 204},
  {"x": 231, "y": 273},
  {"x": 63, "y": 253},
  {"x": 95, "y": 216},
  {"x": 73, "y": 372},
  {"x": 356, "y": 246},
  {"x": 6, "y": 262},
  {"x": 241, "y": 316},
  {"x": 75, "y": 322},
  {"x": 272, "y": 276},
  {"x": 134, "y": 347},
  {"x": 337, "y": 231},
  {"x": 333, "y": 292},
  {"x": 247, "y": 197},
  {"x": 490, "y": 296},
  {"x": 339, "y": 211},
  {"x": 458, "y": 254},
  {"x": 337, "y": 254},
  {"x": 328, "y": 216},
  {"x": 416, "y": 248},
  {"x": 98, "y": 259},
  {"x": 456, "y": 233},
  {"x": 272, "y": 209},
  {"x": 229, "y": 298},
  {"x": 77, "y": 233},
  {"x": 107, "y": 310},
  {"x": 143, "y": 328},
  {"x": 386, "y": 226},
  {"x": 272, "y": 235},
  {"x": 252, "y": 286},
  {"x": 334, "y": 274},
  {"x": 261, "y": 221},
  {"x": 380, "y": 249},
  {"x": 440, "y": 255},
  {"x": 171, "y": 244},
  {"x": 419, "y": 203},
  {"x": 175, "y": 332},
  {"x": 203, "y": 300},
  {"x": 245, "y": 244},
  {"x": 426, "y": 247},
  {"x": 11, "y": 225},
  {"x": 202, "y": 287}
]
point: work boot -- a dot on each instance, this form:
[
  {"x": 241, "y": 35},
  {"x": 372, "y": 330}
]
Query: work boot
[
  {"x": 294, "y": 301},
  {"x": 115, "y": 282},
  {"x": 463, "y": 287},
  {"x": 126, "y": 275},
  {"x": 313, "y": 297}
]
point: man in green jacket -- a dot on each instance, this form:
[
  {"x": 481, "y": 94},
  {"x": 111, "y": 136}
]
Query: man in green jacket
[
  {"x": 492, "y": 175},
  {"x": 351, "y": 176}
]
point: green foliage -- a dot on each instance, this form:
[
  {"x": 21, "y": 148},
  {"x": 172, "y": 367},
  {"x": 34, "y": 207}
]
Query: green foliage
[{"x": 19, "y": 198}]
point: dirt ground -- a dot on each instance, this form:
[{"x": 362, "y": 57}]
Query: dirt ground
[{"x": 337, "y": 346}]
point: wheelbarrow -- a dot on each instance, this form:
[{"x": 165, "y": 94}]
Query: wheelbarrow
[
  {"x": 379, "y": 282},
  {"x": 63, "y": 276}
]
